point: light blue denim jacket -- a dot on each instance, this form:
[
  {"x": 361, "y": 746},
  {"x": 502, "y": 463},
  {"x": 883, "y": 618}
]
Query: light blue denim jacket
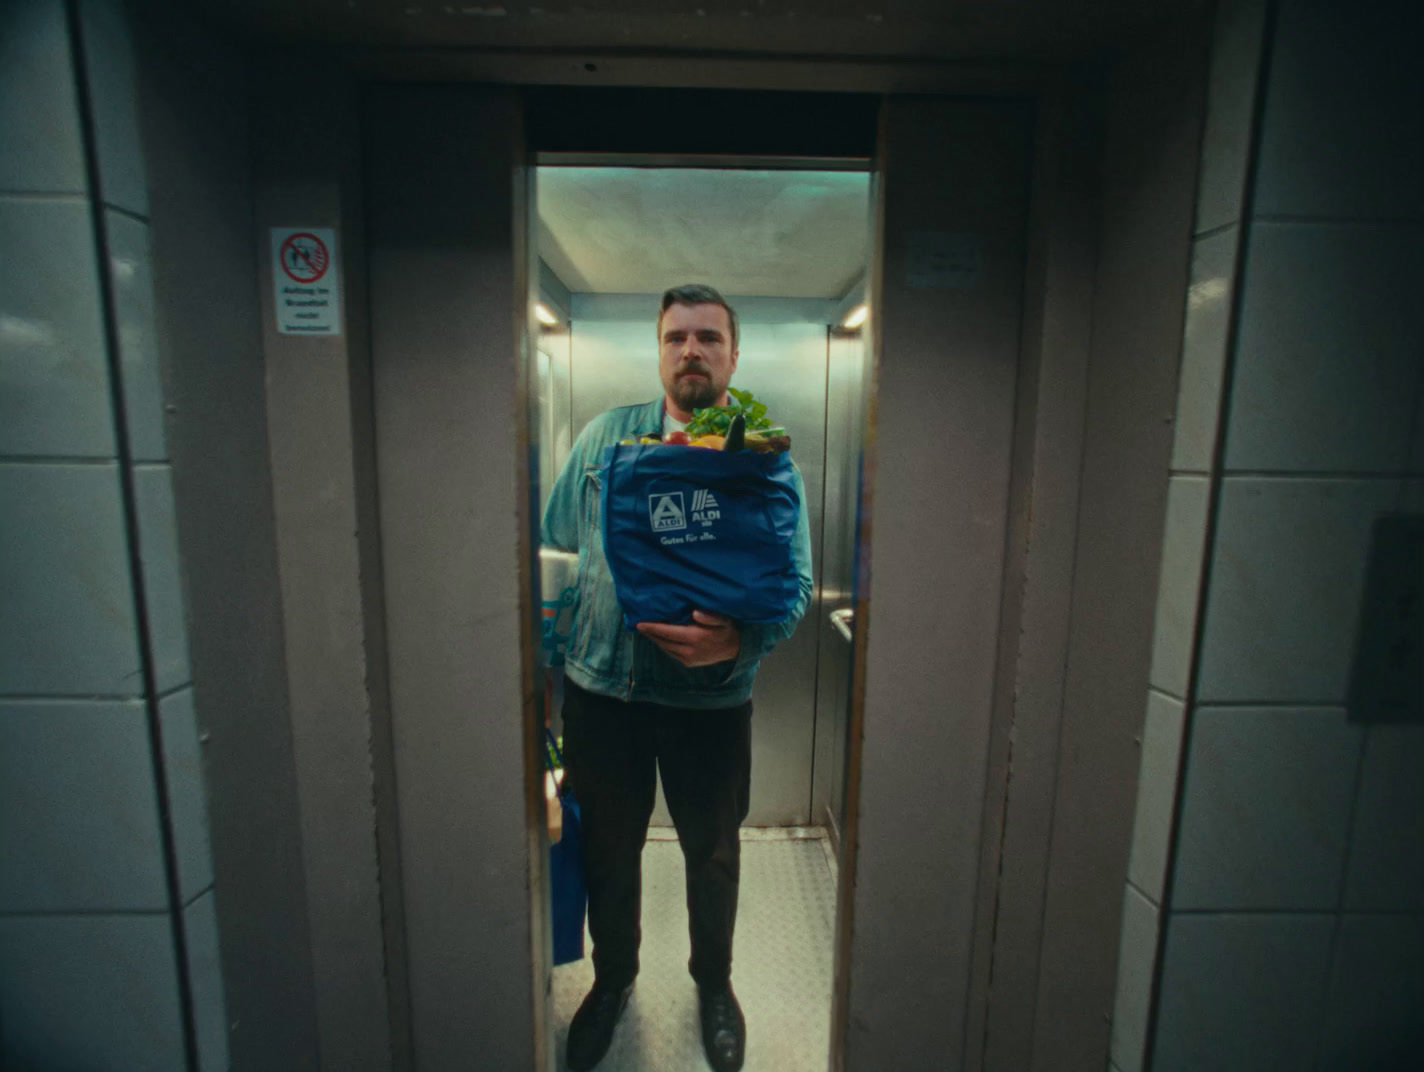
[{"x": 604, "y": 657}]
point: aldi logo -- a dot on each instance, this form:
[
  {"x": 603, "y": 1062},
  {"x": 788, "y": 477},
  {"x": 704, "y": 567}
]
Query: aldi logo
[
  {"x": 666, "y": 512},
  {"x": 704, "y": 507}
]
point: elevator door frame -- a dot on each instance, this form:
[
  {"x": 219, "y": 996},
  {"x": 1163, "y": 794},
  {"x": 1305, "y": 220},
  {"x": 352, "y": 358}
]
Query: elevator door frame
[
  {"x": 993, "y": 800},
  {"x": 967, "y": 790}
]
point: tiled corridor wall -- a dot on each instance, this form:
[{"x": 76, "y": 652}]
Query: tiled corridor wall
[
  {"x": 108, "y": 936},
  {"x": 1276, "y": 887}
]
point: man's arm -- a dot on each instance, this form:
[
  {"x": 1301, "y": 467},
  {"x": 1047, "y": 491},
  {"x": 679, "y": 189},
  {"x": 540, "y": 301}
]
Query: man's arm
[{"x": 560, "y": 527}]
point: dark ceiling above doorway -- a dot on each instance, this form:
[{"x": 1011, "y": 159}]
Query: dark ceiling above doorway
[{"x": 992, "y": 30}]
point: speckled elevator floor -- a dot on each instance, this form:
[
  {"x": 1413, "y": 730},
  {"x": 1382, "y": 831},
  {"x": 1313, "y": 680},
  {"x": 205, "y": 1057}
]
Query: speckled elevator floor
[{"x": 781, "y": 971}]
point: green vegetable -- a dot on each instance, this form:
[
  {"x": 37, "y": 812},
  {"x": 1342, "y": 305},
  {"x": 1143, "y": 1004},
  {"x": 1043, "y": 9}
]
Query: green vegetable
[{"x": 717, "y": 420}]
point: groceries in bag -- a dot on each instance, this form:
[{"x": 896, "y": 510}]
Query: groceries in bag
[
  {"x": 711, "y": 428},
  {"x": 687, "y": 529}
]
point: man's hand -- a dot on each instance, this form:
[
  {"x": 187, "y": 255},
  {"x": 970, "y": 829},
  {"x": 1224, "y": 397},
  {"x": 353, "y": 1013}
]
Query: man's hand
[{"x": 711, "y": 638}]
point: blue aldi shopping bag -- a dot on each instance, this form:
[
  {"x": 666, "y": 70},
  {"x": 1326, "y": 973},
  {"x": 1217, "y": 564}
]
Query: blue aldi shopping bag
[
  {"x": 568, "y": 891},
  {"x": 688, "y": 528}
]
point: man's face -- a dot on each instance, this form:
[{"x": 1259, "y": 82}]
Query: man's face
[{"x": 696, "y": 357}]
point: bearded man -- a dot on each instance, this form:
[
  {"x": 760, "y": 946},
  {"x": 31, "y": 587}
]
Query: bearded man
[{"x": 669, "y": 700}]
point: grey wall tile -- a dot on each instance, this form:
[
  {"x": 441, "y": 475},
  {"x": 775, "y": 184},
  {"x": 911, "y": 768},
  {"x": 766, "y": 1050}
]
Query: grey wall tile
[
  {"x": 66, "y": 599},
  {"x": 1230, "y": 104},
  {"x": 1284, "y": 596},
  {"x": 1416, "y": 454},
  {"x": 200, "y": 926},
  {"x": 187, "y": 798},
  {"x": 90, "y": 992},
  {"x": 162, "y": 580},
  {"x": 39, "y": 116},
  {"x": 131, "y": 273},
  {"x": 1341, "y": 133},
  {"x": 1241, "y": 993},
  {"x": 1204, "y": 351},
  {"x": 1136, "y": 961},
  {"x": 1265, "y": 809},
  {"x": 79, "y": 827},
  {"x": 54, "y": 378},
  {"x": 1327, "y": 360},
  {"x": 1411, "y": 497},
  {"x": 1376, "y": 993},
  {"x": 1156, "y": 794},
  {"x": 108, "y": 54},
  {"x": 1183, "y": 543},
  {"x": 1387, "y": 849}
]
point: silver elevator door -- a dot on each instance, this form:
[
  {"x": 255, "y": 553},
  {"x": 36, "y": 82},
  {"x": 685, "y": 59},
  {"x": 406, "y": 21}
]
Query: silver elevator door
[{"x": 611, "y": 353}]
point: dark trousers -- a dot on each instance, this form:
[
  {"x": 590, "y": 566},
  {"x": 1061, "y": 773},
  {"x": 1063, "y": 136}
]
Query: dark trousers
[{"x": 613, "y": 751}]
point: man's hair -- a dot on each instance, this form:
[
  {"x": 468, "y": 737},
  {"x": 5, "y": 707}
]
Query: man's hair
[{"x": 697, "y": 294}]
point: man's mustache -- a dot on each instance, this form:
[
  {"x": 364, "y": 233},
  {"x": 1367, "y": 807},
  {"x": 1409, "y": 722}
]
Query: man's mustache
[{"x": 694, "y": 367}]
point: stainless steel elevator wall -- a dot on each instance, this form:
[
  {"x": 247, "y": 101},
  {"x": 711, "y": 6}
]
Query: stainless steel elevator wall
[
  {"x": 555, "y": 406},
  {"x": 845, "y": 424},
  {"x": 783, "y": 359}
]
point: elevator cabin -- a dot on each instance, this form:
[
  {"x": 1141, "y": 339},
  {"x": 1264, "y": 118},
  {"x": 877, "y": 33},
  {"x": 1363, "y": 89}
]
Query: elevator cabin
[{"x": 789, "y": 246}]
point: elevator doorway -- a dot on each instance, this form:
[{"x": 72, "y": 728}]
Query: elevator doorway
[
  {"x": 789, "y": 246},
  {"x": 453, "y": 284}
]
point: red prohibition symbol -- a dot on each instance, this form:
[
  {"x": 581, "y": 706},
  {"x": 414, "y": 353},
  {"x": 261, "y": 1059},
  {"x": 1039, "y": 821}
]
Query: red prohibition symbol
[{"x": 305, "y": 257}]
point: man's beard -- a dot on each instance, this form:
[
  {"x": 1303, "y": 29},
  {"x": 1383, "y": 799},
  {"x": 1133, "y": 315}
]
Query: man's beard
[{"x": 691, "y": 394}]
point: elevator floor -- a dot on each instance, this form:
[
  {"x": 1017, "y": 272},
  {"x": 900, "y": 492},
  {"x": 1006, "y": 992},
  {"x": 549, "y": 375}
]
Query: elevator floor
[{"x": 781, "y": 973}]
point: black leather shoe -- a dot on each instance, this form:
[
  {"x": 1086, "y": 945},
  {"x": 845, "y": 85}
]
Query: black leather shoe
[
  {"x": 591, "y": 1031},
  {"x": 724, "y": 1031}
]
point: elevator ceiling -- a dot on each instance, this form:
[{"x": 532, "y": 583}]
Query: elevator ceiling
[{"x": 617, "y": 230}]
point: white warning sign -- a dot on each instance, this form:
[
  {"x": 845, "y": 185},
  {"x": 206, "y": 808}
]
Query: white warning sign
[{"x": 307, "y": 281}]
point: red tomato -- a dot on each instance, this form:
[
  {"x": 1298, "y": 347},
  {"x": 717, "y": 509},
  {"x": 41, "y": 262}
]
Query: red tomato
[{"x": 677, "y": 439}]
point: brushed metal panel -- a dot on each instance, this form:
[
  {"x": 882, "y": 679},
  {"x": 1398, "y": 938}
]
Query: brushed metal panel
[
  {"x": 555, "y": 409},
  {"x": 1042, "y": 541},
  {"x": 852, "y": 372},
  {"x": 785, "y": 364},
  {"x": 947, "y": 366},
  {"x": 317, "y": 422},
  {"x": 449, "y": 375},
  {"x": 844, "y": 430},
  {"x": 613, "y": 363},
  {"x": 1152, "y": 133}
]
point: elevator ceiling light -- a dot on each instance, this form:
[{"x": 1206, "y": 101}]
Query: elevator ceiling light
[
  {"x": 545, "y": 315},
  {"x": 857, "y": 317}
]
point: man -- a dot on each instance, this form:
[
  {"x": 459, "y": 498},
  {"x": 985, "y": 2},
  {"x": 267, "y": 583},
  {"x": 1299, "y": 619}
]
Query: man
[{"x": 669, "y": 698}]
